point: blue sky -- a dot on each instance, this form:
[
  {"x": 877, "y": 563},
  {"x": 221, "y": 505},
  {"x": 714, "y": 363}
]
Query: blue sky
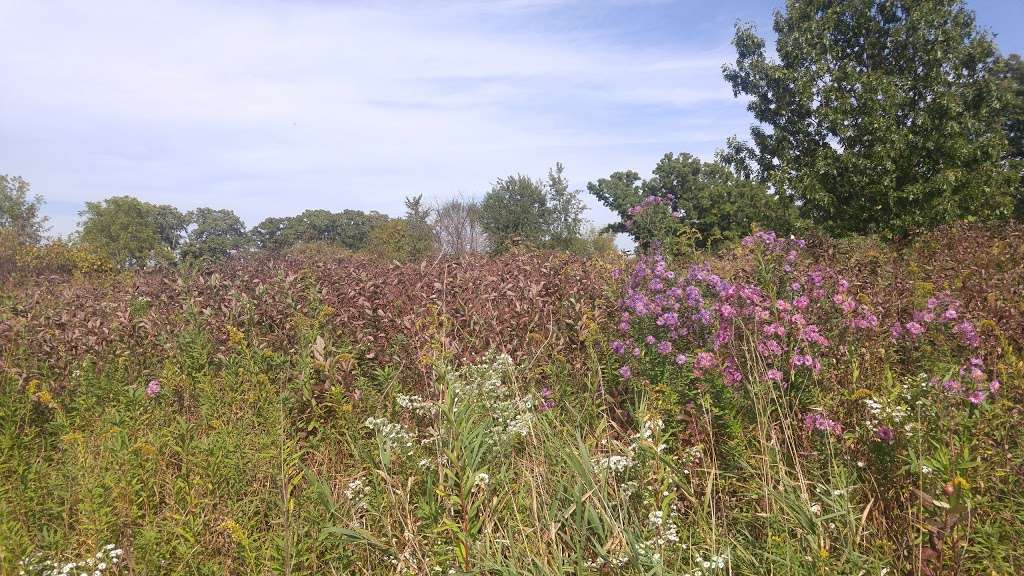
[{"x": 272, "y": 107}]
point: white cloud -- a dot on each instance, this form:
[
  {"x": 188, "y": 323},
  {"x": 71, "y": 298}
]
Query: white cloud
[{"x": 270, "y": 108}]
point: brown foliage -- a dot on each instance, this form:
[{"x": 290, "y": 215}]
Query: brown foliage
[{"x": 530, "y": 305}]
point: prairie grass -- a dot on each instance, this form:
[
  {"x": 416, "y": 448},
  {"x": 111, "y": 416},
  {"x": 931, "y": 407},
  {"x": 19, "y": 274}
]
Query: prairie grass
[{"x": 315, "y": 457}]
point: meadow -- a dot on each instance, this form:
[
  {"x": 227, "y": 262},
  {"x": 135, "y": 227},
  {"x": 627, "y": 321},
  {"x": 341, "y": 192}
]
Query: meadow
[{"x": 779, "y": 406}]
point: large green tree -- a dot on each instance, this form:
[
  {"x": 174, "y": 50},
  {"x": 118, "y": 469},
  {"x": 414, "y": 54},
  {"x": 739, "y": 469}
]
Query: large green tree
[
  {"x": 519, "y": 209},
  {"x": 878, "y": 116},
  {"x": 213, "y": 234},
  {"x": 1011, "y": 73},
  {"x": 515, "y": 211},
  {"x": 131, "y": 232},
  {"x": 19, "y": 211},
  {"x": 685, "y": 195}
]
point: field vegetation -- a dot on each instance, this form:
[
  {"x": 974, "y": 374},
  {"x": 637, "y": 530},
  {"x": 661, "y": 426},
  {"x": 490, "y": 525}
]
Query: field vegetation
[{"x": 810, "y": 363}]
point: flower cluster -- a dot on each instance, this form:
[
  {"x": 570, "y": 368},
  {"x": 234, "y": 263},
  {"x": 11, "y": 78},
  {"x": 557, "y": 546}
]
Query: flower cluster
[
  {"x": 103, "y": 561},
  {"x": 392, "y": 436},
  {"x": 484, "y": 384},
  {"x": 816, "y": 421},
  {"x": 648, "y": 202},
  {"x": 704, "y": 323},
  {"x": 356, "y": 492},
  {"x": 972, "y": 382},
  {"x": 941, "y": 309}
]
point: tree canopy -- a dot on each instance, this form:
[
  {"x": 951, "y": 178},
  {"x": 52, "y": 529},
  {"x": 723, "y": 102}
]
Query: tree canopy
[
  {"x": 131, "y": 232},
  {"x": 879, "y": 116},
  {"x": 19, "y": 212},
  {"x": 519, "y": 209},
  {"x": 349, "y": 229},
  {"x": 213, "y": 234},
  {"x": 685, "y": 194}
]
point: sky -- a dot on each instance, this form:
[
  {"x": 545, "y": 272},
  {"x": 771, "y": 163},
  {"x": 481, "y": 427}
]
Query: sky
[{"x": 272, "y": 107}]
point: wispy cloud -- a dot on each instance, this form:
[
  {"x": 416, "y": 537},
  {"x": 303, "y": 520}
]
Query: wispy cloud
[{"x": 269, "y": 108}]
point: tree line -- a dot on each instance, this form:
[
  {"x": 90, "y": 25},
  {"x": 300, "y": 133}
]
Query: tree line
[
  {"x": 885, "y": 117},
  {"x": 132, "y": 233}
]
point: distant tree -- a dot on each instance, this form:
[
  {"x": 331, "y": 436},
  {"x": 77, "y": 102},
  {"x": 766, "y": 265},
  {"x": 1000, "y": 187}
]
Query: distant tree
[
  {"x": 354, "y": 227},
  {"x": 269, "y": 234},
  {"x": 420, "y": 233},
  {"x": 404, "y": 239},
  {"x": 565, "y": 211},
  {"x": 1010, "y": 72},
  {"x": 457, "y": 227},
  {"x": 213, "y": 234},
  {"x": 546, "y": 214},
  {"x": 349, "y": 229},
  {"x": 691, "y": 196},
  {"x": 131, "y": 232},
  {"x": 879, "y": 116},
  {"x": 19, "y": 212},
  {"x": 515, "y": 211},
  {"x": 596, "y": 242}
]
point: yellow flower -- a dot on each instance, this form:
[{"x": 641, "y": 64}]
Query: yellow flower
[
  {"x": 46, "y": 399},
  {"x": 235, "y": 336},
  {"x": 146, "y": 449},
  {"x": 236, "y": 532},
  {"x": 860, "y": 394}
]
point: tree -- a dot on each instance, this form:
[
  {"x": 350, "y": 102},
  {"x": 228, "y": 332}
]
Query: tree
[
  {"x": 131, "y": 232},
  {"x": 420, "y": 233},
  {"x": 19, "y": 213},
  {"x": 515, "y": 211},
  {"x": 349, "y": 229},
  {"x": 686, "y": 195},
  {"x": 879, "y": 116},
  {"x": 457, "y": 227},
  {"x": 1010, "y": 72},
  {"x": 404, "y": 239},
  {"x": 213, "y": 234},
  {"x": 565, "y": 211},
  {"x": 269, "y": 234},
  {"x": 521, "y": 210}
]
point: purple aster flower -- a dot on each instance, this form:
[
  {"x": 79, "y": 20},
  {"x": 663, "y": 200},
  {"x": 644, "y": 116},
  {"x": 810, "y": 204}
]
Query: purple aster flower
[
  {"x": 885, "y": 434},
  {"x": 817, "y": 421},
  {"x": 626, "y": 372},
  {"x": 153, "y": 388},
  {"x": 680, "y": 359},
  {"x": 896, "y": 330},
  {"x": 732, "y": 373},
  {"x": 774, "y": 375},
  {"x": 977, "y": 397},
  {"x": 664, "y": 347},
  {"x": 546, "y": 402},
  {"x": 967, "y": 333}
]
